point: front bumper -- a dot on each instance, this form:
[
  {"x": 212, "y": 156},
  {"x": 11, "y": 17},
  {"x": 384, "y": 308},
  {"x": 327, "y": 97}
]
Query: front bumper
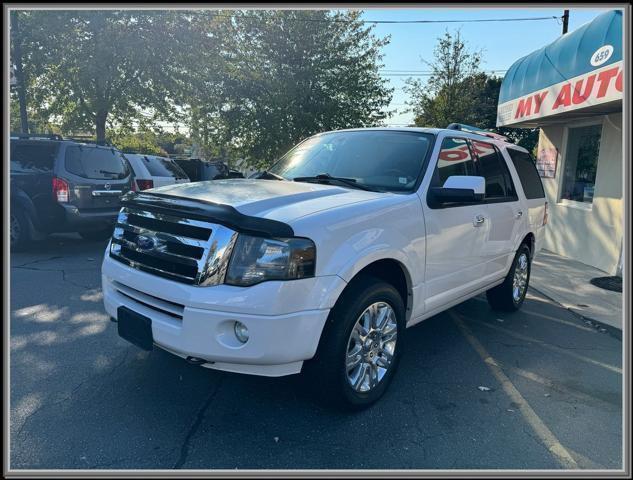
[{"x": 284, "y": 319}]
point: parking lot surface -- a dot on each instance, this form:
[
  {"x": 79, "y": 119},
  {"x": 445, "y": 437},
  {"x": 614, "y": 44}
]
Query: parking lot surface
[{"x": 536, "y": 389}]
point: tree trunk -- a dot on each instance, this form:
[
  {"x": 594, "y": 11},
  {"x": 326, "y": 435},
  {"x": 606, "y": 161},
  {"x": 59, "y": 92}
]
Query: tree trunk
[
  {"x": 19, "y": 74},
  {"x": 100, "y": 126}
]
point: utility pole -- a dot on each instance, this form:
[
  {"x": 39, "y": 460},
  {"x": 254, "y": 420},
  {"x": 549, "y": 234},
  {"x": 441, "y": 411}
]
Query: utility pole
[
  {"x": 565, "y": 21},
  {"x": 19, "y": 74}
]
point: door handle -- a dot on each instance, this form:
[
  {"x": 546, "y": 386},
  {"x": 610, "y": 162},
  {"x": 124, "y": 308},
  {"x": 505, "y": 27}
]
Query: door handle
[
  {"x": 479, "y": 220},
  {"x": 519, "y": 214}
]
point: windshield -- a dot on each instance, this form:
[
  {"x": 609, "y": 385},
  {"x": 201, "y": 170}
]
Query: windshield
[
  {"x": 163, "y": 167},
  {"x": 385, "y": 160},
  {"x": 96, "y": 163}
]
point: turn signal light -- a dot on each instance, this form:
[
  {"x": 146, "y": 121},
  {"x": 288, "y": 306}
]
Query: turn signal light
[
  {"x": 144, "y": 184},
  {"x": 60, "y": 190}
]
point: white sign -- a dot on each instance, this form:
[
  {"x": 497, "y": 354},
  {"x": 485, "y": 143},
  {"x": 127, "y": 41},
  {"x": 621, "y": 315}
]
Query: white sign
[
  {"x": 594, "y": 88},
  {"x": 601, "y": 55}
]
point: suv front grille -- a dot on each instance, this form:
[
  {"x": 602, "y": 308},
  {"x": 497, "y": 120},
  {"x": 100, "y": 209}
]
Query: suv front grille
[{"x": 190, "y": 251}]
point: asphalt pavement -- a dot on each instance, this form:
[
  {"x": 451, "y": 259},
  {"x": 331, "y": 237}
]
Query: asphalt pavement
[{"x": 536, "y": 389}]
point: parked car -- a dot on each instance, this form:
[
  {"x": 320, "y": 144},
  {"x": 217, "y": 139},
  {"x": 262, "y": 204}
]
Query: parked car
[
  {"x": 153, "y": 171},
  {"x": 352, "y": 237},
  {"x": 61, "y": 185},
  {"x": 199, "y": 170}
]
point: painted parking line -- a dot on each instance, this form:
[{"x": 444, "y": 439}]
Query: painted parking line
[
  {"x": 559, "y": 452},
  {"x": 549, "y": 346}
]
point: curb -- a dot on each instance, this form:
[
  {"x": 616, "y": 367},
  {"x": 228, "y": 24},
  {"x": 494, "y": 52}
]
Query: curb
[{"x": 611, "y": 330}]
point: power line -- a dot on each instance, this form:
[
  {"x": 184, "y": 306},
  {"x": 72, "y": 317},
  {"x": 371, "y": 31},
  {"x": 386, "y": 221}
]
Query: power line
[{"x": 376, "y": 22}]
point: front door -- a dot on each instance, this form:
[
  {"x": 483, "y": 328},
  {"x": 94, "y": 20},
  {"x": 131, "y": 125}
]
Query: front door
[{"x": 455, "y": 234}]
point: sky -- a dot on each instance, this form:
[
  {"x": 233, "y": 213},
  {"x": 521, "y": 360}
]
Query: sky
[{"x": 502, "y": 42}]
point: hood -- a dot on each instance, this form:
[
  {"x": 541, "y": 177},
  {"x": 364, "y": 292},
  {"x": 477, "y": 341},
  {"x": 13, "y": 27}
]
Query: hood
[{"x": 274, "y": 199}]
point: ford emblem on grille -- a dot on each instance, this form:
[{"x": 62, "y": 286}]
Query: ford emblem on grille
[{"x": 144, "y": 242}]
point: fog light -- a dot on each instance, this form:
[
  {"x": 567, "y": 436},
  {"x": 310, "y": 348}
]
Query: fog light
[{"x": 241, "y": 332}]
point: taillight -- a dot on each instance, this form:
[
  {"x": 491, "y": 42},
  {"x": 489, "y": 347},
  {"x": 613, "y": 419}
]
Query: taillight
[
  {"x": 545, "y": 215},
  {"x": 60, "y": 190},
  {"x": 144, "y": 184},
  {"x": 133, "y": 186}
]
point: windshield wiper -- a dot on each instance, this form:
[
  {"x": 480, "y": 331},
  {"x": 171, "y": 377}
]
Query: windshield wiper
[
  {"x": 265, "y": 174},
  {"x": 108, "y": 172},
  {"x": 327, "y": 178}
]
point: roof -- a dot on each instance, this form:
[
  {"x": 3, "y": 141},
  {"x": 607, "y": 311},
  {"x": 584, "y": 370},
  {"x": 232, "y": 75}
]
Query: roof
[{"x": 568, "y": 57}]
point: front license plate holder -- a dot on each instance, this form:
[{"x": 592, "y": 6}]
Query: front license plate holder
[{"x": 135, "y": 328}]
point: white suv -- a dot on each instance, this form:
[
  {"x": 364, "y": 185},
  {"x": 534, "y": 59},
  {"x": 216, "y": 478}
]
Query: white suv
[
  {"x": 151, "y": 171},
  {"x": 323, "y": 262}
]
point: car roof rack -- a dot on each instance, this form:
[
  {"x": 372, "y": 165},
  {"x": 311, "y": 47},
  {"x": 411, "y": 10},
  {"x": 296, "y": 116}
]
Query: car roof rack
[
  {"x": 87, "y": 139},
  {"x": 47, "y": 136},
  {"x": 478, "y": 131}
]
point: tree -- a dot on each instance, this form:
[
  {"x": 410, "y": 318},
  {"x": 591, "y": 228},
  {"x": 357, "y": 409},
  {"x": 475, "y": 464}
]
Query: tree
[
  {"x": 458, "y": 91},
  {"x": 109, "y": 67},
  {"x": 288, "y": 74},
  {"x": 446, "y": 96}
]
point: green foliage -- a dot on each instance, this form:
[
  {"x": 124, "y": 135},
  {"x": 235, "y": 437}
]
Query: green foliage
[
  {"x": 141, "y": 142},
  {"x": 288, "y": 74},
  {"x": 97, "y": 67},
  {"x": 458, "y": 91}
]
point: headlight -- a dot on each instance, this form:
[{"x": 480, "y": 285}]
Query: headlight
[{"x": 257, "y": 259}]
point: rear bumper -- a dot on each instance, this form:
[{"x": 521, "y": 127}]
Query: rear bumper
[
  {"x": 77, "y": 219},
  {"x": 284, "y": 319}
]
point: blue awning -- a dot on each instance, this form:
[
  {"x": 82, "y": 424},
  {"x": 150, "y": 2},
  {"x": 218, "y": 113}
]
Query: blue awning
[{"x": 564, "y": 59}]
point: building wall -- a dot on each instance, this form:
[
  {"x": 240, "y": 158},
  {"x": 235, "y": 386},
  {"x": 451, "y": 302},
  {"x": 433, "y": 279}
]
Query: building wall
[{"x": 589, "y": 233}]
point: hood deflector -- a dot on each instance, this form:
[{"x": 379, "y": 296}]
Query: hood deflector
[{"x": 208, "y": 211}]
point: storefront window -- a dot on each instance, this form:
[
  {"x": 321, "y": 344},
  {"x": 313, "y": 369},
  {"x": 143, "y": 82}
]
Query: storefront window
[{"x": 581, "y": 162}]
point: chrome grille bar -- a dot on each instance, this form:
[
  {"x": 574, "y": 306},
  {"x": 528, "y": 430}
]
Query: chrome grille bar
[{"x": 181, "y": 249}]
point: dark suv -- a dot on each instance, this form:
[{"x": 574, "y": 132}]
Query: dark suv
[{"x": 61, "y": 185}]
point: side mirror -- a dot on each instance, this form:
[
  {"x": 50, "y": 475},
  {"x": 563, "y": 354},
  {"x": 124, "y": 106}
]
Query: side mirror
[{"x": 459, "y": 189}]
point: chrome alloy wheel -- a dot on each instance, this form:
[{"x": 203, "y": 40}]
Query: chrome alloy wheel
[
  {"x": 371, "y": 346},
  {"x": 519, "y": 282}
]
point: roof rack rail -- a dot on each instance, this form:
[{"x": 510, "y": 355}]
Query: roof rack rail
[
  {"x": 478, "y": 131},
  {"x": 48, "y": 136},
  {"x": 87, "y": 139}
]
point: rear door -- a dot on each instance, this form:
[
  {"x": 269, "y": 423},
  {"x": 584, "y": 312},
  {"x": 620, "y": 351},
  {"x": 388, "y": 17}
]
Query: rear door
[
  {"x": 455, "y": 233},
  {"x": 502, "y": 206},
  {"x": 32, "y": 164},
  {"x": 529, "y": 181},
  {"x": 97, "y": 177}
]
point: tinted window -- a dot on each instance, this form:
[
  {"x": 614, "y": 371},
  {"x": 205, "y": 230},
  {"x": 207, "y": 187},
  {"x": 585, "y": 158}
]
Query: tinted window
[
  {"x": 96, "y": 163},
  {"x": 493, "y": 168},
  {"x": 162, "y": 167},
  {"x": 33, "y": 157},
  {"x": 454, "y": 159},
  {"x": 387, "y": 160},
  {"x": 526, "y": 169}
]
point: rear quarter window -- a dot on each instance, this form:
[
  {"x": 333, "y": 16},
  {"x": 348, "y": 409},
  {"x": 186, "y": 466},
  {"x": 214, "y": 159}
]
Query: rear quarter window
[
  {"x": 163, "y": 167},
  {"x": 33, "y": 157},
  {"x": 96, "y": 163},
  {"x": 528, "y": 174}
]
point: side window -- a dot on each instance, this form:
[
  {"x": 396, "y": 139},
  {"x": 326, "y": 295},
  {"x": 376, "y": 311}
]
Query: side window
[
  {"x": 33, "y": 157},
  {"x": 528, "y": 174},
  {"x": 493, "y": 168},
  {"x": 454, "y": 159}
]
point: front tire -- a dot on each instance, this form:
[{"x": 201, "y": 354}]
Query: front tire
[
  {"x": 509, "y": 296},
  {"x": 360, "y": 346}
]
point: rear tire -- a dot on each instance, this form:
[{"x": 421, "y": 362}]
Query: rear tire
[
  {"x": 96, "y": 235},
  {"x": 19, "y": 230},
  {"x": 509, "y": 296},
  {"x": 373, "y": 352}
]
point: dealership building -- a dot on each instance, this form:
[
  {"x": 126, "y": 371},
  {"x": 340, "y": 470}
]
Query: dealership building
[{"x": 572, "y": 90}]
